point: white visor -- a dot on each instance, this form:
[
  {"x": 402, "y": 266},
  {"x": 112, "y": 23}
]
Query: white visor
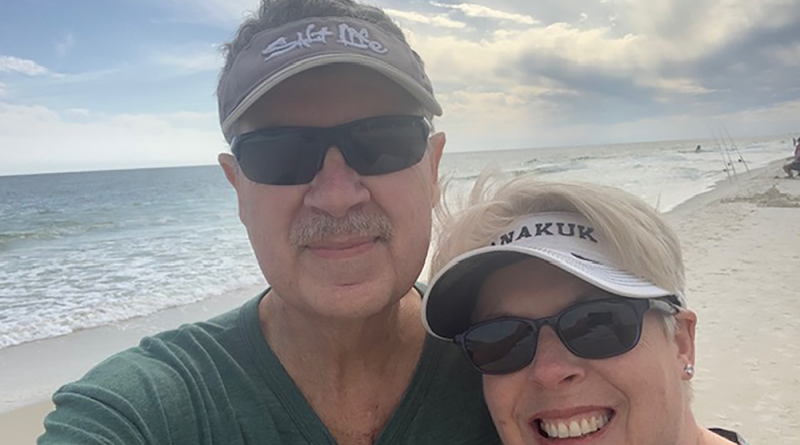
[{"x": 565, "y": 240}]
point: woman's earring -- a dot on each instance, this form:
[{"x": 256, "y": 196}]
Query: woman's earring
[{"x": 689, "y": 370}]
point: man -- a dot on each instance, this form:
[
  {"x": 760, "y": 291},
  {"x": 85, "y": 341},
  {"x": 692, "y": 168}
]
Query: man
[
  {"x": 794, "y": 164},
  {"x": 327, "y": 110}
]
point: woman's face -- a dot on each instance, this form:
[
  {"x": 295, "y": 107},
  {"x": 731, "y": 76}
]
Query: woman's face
[{"x": 638, "y": 395}]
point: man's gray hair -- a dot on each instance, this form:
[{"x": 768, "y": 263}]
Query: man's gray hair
[
  {"x": 641, "y": 241},
  {"x": 275, "y": 13}
]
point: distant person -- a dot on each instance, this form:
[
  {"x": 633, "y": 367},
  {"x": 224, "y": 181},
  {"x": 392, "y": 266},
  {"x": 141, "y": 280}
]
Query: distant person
[
  {"x": 335, "y": 167},
  {"x": 696, "y": 150},
  {"x": 570, "y": 299},
  {"x": 794, "y": 164}
]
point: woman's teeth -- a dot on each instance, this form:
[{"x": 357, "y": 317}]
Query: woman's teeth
[{"x": 575, "y": 427}]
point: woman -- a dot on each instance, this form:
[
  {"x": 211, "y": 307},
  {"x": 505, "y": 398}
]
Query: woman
[{"x": 569, "y": 298}]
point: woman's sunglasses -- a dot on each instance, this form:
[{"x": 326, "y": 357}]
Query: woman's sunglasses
[
  {"x": 594, "y": 329},
  {"x": 294, "y": 155}
]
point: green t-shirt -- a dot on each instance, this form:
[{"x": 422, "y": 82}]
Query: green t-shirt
[{"x": 218, "y": 382}]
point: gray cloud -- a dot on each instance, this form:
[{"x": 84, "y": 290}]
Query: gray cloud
[
  {"x": 603, "y": 96},
  {"x": 754, "y": 66},
  {"x": 749, "y": 70}
]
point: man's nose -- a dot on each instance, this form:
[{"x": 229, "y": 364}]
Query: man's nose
[{"x": 336, "y": 188}]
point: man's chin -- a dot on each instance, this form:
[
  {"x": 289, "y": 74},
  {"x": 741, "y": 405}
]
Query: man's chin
[{"x": 350, "y": 300}]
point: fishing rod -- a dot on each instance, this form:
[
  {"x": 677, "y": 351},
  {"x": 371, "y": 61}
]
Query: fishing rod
[
  {"x": 724, "y": 164},
  {"x": 728, "y": 153},
  {"x": 738, "y": 153}
]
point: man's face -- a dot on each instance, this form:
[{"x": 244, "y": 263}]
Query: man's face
[{"x": 346, "y": 272}]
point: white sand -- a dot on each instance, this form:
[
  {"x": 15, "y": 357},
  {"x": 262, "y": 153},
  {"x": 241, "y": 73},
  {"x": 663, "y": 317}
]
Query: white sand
[
  {"x": 742, "y": 254},
  {"x": 742, "y": 249}
]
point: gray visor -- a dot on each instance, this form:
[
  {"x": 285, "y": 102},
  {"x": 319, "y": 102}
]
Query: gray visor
[{"x": 277, "y": 54}]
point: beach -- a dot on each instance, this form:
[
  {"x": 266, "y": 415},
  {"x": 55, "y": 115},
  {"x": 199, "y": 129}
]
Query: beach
[
  {"x": 30, "y": 373},
  {"x": 742, "y": 254},
  {"x": 742, "y": 250}
]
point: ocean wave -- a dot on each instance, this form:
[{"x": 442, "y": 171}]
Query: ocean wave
[
  {"x": 42, "y": 318},
  {"x": 98, "y": 259},
  {"x": 55, "y": 230}
]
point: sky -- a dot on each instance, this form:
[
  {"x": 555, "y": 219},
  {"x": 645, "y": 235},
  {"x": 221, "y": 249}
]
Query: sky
[{"x": 114, "y": 84}]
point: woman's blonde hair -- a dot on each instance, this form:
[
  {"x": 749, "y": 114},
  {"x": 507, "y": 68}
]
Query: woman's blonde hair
[{"x": 641, "y": 241}]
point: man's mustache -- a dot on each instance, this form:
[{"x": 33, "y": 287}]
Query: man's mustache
[{"x": 321, "y": 227}]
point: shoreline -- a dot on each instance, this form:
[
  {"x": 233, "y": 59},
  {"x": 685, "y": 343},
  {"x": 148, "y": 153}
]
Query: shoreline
[
  {"x": 727, "y": 206},
  {"x": 78, "y": 351},
  {"x": 726, "y": 187},
  {"x": 22, "y": 410}
]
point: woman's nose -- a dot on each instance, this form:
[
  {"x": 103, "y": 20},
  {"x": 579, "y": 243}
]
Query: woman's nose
[{"x": 554, "y": 366}]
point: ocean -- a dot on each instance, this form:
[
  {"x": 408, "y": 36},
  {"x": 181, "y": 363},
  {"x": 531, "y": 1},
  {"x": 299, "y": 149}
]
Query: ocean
[{"x": 81, "y": 250}]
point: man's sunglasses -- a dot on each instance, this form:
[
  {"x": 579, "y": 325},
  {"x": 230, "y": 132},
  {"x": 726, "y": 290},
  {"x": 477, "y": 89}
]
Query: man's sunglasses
[
  {"x": 294, "y": 155},
  {"x": 595, "y": 329}
]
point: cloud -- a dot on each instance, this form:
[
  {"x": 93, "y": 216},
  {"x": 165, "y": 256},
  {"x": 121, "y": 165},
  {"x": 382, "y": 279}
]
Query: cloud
[
  {"x": 57, "y": 141},
  {"x": 2, "y": 89},
  {"x": 647, "y": 59},
  {"x": 788, "y": 54},
  {"x": 89, "y": 76},
  {"x": 775, "y": 118},
  {"x": 190, "y": 59},
  {"x": 509, "y": 73},
  {"x": 675, "y": 85},
  {"x": 82, "y": 112},
  {"x": 652, "y": 74},
  {"x": 65, "y": 46},
  {"x": 11, "y": 64},
  {"x": 506, "y": 54},
  {"x": 480, "y": 11},
  {"x": 439, "y": 20},
  {"x": 525, "y": 125}
]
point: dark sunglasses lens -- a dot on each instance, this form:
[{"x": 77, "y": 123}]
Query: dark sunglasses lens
[
  {"x": 281, "y": 159},
  {"x": 501, "y": 347},
  {"x": 600, "y": 330},
  {"x": 385, "y": 145}
]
